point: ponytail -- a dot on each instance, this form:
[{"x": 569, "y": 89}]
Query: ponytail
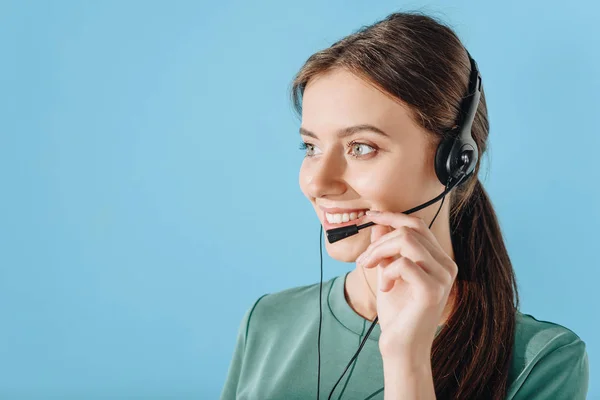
[{"x": 471, "y": 356}]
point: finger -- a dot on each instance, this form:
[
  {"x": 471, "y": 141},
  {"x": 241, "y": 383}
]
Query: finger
[
  {"x": 390, "y": 235},
  {"x": 397, "y": 220},
  {"x": 434, "y": 248},
  {"x": 378, "y": 232},
  {"x": 430, "y": 291},
  {"x": 428, "y": 240},
  {"x": 445, "y": 268},
  {"x": 409, "y": 243},
  {"x": 405, "y": 269},
  {"x": 382, "y": 265},
  {"x": 405, "y": 244}
]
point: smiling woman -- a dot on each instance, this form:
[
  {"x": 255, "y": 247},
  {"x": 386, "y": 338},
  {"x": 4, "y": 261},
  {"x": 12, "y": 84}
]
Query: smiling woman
[{"x": 375, "y": 107}]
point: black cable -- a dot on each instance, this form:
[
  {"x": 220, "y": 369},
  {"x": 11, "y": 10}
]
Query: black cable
[
  {"x": 320, "y": 312},
  {"x": 439, "y": 209},
  {"x": 355, "y": 355},
  {"x": 442, "y": 196}
]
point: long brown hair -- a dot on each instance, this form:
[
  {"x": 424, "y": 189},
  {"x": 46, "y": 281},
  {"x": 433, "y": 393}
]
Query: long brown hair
[{"x": 420, "y": 61}]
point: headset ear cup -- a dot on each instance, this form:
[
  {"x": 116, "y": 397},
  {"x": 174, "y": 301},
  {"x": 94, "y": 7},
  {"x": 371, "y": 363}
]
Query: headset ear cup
[{"x": 441, "y": 159}]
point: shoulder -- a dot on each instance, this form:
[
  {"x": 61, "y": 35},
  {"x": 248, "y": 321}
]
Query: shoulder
[
  {"x": 546, "y": 351},
  {"x": 292, "y": 297},
  {"x": 285, "y": 306},
  {"x": 534, "y": 338}
]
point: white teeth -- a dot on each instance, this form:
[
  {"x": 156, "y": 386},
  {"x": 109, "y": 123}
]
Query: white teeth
[{"x": 345, "y": 217}]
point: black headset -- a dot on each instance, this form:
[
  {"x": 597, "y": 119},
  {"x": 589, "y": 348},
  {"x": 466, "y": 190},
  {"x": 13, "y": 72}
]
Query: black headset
[
  {"x": 457, "y": 154},
  {"x": 455, "y": 161}
]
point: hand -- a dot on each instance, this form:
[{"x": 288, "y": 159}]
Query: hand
[{"x": 415, "y": 277}]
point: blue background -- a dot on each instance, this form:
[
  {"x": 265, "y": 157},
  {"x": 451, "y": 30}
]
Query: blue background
[{"x": 149, "y": 163}]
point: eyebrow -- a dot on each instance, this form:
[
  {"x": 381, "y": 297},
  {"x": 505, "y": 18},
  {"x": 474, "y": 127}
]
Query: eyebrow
[{"x": 348, "y": 131}]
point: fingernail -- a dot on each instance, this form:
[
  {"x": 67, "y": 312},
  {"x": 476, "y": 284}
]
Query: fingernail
[{"x": 373, "y": 212}]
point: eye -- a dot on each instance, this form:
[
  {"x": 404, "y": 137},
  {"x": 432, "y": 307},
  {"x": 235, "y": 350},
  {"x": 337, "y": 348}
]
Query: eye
[
  {"x": 309, "y": 148},
  {"x": 360, "y": 149}
]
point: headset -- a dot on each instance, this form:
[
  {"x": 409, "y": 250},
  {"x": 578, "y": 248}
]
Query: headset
[{"x": 455, "y": 161}]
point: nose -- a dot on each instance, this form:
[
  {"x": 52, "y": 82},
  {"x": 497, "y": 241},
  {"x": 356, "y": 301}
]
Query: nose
[{"x": 326, "y": 176}]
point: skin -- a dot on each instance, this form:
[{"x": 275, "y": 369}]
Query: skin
[{"x": 409, "y": 268}]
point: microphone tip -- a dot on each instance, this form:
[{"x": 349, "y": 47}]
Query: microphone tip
[{"x": 334, "y": 235}]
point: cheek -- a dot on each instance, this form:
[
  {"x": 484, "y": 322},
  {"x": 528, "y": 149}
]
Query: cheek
[
  {"x": 378, "y": 185},
  {"x": 388, "y": 188}
]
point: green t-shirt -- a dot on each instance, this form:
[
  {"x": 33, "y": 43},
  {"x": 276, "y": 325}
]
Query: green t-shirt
[{"x": 275, "y": 355}]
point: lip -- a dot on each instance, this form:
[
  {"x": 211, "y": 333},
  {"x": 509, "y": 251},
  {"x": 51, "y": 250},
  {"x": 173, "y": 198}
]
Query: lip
[{"x": 327, "y": 226}]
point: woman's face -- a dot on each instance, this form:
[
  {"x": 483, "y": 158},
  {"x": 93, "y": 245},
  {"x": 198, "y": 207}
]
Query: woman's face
[{"x": 363, "y": 152}]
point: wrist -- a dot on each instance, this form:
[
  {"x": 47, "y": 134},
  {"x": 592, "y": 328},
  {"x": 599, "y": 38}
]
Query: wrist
[
  {"x": 405, "y": 355},
  {"x": 408, "y": 378},
  {"x": 407, "y": 365}
]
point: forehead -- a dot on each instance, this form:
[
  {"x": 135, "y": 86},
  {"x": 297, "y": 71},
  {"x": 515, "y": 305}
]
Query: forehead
[{"x": 339, "y": 98}]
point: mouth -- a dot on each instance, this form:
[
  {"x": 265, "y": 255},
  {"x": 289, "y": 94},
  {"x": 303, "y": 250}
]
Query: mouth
[{"x": 338, "y": 217}]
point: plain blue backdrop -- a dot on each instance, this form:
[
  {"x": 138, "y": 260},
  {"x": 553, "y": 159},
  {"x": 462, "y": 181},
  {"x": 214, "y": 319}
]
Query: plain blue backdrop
[{"x": 149, "y": 164}]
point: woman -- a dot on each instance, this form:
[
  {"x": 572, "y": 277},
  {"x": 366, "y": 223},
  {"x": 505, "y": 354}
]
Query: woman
[{"x": 375, "y": 106}]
